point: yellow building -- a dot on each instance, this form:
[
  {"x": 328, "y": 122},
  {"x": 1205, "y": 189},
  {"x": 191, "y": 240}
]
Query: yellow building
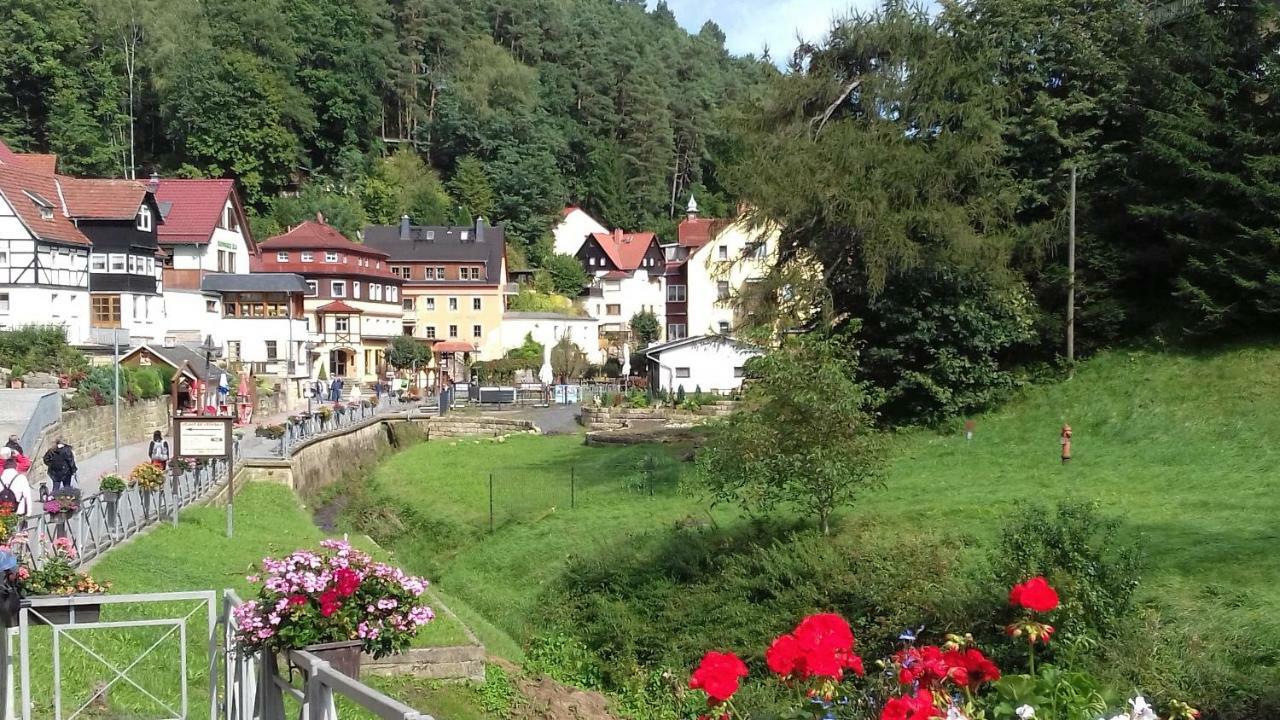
[{"x": 455, "y": 283}]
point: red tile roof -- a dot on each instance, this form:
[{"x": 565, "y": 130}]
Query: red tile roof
[
  {"x": 314, "y": 235},
  {"x": 36, "y": 162},
  {"x": 337, "y": 306},
  {"x": 568, "y": 211},
  {"x": 625, "y": 250},
  {"x": 195, "y": 209},
  {"x": 102, "y": 199},
  {"x": 16, "y": 182},
  {"x": 696, "y": 232}
]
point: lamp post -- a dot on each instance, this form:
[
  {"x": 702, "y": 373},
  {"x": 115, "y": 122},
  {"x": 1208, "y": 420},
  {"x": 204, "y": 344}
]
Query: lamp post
[
  {"x": 210, "y": 349},
  {"x": 307, "y": 347}
]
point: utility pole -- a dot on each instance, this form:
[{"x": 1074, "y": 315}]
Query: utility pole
[{"x": 1071, "y": 278}]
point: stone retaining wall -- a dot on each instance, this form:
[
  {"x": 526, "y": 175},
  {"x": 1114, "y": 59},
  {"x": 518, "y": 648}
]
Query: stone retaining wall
[
  {"x": 92, "y": 430},
  {"x": 617, "y": 418},
  {"x": 464, "y": 662},
  {"x": 474, "y": 426}
]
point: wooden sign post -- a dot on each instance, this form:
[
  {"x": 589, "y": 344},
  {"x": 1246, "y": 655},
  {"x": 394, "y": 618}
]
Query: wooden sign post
[{"x": 208, "y": 437}]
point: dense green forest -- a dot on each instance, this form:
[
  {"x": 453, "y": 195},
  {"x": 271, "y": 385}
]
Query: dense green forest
[
  {"x": 520, "y": 106},
  {"x": 920, "y": 156}
]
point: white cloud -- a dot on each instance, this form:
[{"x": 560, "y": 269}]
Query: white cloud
[{"x": 751, "y": 25}]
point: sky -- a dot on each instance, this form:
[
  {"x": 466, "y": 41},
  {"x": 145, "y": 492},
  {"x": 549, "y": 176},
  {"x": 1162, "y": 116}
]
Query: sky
[{"x": 750, "y": 25}]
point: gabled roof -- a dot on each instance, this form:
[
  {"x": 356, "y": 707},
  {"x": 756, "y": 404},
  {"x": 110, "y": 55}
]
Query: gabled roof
[
  {"x": 337, "y": 306},
  {"x": 193, "y": 209},
  {"x": 315, "y": 235},
  {"x": 15, "y": 184},
  {"x": 179, "y": 356},
  {"x": 625, "y": 250},
  {"x": 653, "y": 350},
  {"x": 45, "y": 163},
  {"x": 97, "y": 199}
]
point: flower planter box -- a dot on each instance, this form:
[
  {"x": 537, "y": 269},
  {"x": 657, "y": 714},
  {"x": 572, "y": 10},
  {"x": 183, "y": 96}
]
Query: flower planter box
[
  {"x": 64, "y": 614},
  {"x": 109, "y": 496},
  {"x": 342, "y": 656}
]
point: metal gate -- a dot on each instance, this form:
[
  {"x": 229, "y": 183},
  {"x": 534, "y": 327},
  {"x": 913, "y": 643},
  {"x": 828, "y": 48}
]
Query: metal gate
[{"x": 235, "y": 685}]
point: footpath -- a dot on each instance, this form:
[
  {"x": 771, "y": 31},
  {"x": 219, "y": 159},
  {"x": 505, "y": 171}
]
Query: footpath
[{"x": 92, "y": 468}]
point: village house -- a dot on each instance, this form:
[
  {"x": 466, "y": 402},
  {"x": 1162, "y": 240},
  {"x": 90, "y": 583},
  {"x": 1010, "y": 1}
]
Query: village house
[
  {"x": 77, "y": 252},
  {"x": 708, "y": 267},
  {"x": 205, "y": 231},
  {"x": 352, "y": 300},
  {"x": 455, "y": 287},
  {"x": 627, "y": 271},
  {"x": 572, "y": 231},
  {"x": 710, "y": 363}
]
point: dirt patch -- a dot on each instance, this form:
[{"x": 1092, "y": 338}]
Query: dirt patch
[
  {"x": 326, "y": 515},
  {"x": 542, "y": 698}
]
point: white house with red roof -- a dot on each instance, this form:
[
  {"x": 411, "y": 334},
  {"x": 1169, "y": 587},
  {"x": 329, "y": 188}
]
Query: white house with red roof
[
  {"x": 77, "y": 252},
  {"x": 352, "y": 304},
  {"x": 574, "y": 228},
  {"x": 628, "y": 277}
]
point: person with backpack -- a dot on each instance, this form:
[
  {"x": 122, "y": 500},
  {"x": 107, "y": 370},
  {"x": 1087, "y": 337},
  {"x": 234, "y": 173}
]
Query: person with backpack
[
  {"x": 158, "y": 450},
  {"x": 61, "y": 464},
  {"x": 15, "y": 489}
]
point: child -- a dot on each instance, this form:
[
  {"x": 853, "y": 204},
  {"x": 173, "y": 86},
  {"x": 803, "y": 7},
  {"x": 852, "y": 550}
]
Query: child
[{"x": 1066, "y": 444}]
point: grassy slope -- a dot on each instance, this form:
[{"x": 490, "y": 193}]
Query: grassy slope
[{"x": 1180, "y": 446}]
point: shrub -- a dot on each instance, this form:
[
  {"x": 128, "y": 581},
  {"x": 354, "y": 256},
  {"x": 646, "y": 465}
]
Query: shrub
[
  {"x": 99, "y": 383},
  {"x": 148, "y": 382},
  {"x": 1077, "y": 549},
  {"x": 40, "y": 348},
  {"x": 270, "y": 432}
]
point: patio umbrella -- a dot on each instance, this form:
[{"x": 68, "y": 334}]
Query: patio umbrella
[
  {"x": 544, "y": 373},
  {"x": 626, "y": 360},
  {"x": 244, "y": 387}
]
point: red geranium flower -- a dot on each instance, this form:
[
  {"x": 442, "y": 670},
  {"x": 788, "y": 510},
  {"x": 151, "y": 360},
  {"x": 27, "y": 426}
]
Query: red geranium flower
[
  {"x": 784, "y": 656},
  {"x": 970, "y": 668},
  {"x": 1035, "y": 595},
  {"x": 346, "y": 582},
  {"x": 329, "y": 603},
  {"x": 911, "y": 707},
  {"x": 924, "y": 665},
  {"x": 297, "y": 599},
  {"x": 825, "y": 644},
  {"x": 717, "y": 675}
]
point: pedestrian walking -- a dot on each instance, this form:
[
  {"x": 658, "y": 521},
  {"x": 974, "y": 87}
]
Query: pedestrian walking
[
  {"x": 1066, "y": 444},
  {"x": 158, "y": 450},
  {"x": 60, "y": 461},
  {"x": 15, "y": 488},
  {"x": 333, "y": 390}
]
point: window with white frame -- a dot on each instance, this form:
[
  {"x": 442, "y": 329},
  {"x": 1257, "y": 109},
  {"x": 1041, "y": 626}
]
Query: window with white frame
[
  {"x": 4, "y": 257},
  {"x": 682, "y": 372},
  {"x": 675, "y": 293},
  {"x": 453, "y": 303},
  {"x": 307, "y": 257},
  {"x": 722, "y": 290},
  {"x": 375, "y": 291},
  {"x": 475, "y": 303},
  {"x": 282, "y": 257},
  {"x": 98, "y": 262},
  {"x": 429, "y": 332},
  {"x": 453, "y": 331},
  {"x": 739, "y": 372},
  {"x": 477, "y": 331},
  {"x": 677, "y": 331},
  {"x": 144, "y": 218},
  {"x": 722, "y": 252},
  {"x": 119, "y": 262},
  {"x": 338, "y": 288},
  {"x": 393, "y": 293},
  {"x": 355, "y": 290},
  {"x": 342, "y": 324},
  {"x": 313, "y": 288},
  {"x": 431, "y": 303},
  {"x": 406, "y": 304},
  {"x": 331, "y": 257},
  {"x": 4, "y": 303},
  {"x": 724, "y": 327}
]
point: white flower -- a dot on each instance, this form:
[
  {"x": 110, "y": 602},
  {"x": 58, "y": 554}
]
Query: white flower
[
  {"x": 1122, "y": 716},
  {"x": 1026, "y": 712},
  {"x": 1142, "y": 710},
  {"x": 953, "y": 713}
]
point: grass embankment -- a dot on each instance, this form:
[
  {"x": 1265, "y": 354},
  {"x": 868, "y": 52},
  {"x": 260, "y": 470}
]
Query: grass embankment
[{"x": 1179, "y": 447}]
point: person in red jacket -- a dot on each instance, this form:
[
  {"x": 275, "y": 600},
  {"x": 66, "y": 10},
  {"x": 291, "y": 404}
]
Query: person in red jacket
[{"x": 1066, "y": 444}]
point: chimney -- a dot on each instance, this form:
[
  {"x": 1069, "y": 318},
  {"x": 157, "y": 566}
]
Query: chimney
[
  {"x": 617, "y": 234},
  {"x": 404, "y": 227},
  {"x": 480, "y": 229},
  {"x": 154, "y": 183},
  {"x": 319, "y": 217}
]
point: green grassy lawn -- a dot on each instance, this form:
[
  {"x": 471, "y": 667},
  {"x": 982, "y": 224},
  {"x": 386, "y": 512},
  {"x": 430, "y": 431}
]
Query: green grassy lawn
[
  {"x": 1180, "y": 447},
  {"x": 194, "y": 556},
  {"x": 500, "y": 575}
]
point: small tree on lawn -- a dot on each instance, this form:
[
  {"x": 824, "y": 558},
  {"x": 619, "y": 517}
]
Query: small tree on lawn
[
  {"x": 568, "y": 362},
  {"x": 405, "y": 350},
  {"x": 805, "y": 436},
  {"x": 645, "y": 328}
]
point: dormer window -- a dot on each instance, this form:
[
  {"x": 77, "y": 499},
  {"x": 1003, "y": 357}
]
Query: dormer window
[
  {"x": 144, "y": 218},
  {"x": 43, "y": 205},
  {"x": 46, "y": 213}
]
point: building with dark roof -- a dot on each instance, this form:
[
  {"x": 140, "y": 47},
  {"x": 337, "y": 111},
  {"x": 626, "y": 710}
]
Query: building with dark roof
[
  {"x": 352, "y": 302},
  {"x": 628, "y": 277},
  {"x": 455, "y": 281}
]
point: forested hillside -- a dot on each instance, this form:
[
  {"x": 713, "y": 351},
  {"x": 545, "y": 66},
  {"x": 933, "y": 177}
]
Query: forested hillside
[{"x": 517, "y": 107}]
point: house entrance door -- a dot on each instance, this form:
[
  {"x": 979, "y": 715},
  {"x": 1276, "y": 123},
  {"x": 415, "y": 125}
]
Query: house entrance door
[{"x": 339, "y": 361}]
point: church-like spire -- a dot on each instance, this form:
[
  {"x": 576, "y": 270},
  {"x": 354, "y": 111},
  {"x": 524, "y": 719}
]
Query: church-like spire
[{"x": 692, "y": 208}]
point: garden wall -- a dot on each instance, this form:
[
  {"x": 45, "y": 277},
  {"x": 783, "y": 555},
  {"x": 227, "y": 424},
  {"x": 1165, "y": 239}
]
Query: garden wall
[
  {"x": 616, "y": 418},
  {"x": 92, "y": 430}
]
